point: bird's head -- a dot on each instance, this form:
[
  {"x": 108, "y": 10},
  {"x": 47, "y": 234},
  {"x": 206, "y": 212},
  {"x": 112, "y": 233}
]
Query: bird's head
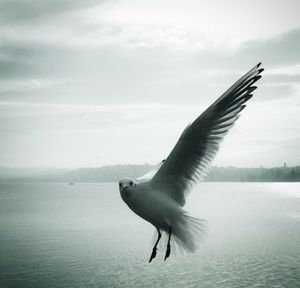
[{"x": 126, "y": 184}]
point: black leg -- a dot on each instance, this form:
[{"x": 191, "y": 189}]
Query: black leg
[
  {"x": 168, "y": 252},
  {"x": 155, "y": 246}
]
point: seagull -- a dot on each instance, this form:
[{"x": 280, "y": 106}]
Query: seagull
[{"x": 159, "y": 196}]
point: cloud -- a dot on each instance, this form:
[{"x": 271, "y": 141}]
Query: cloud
[
  {"x": 30, "y": 11},
  {"x": 281, "y": 50},
  {"x": 281, "y": 78},
  {"x": 94, "y": 71},
  {"x": 275, "y": 92}
]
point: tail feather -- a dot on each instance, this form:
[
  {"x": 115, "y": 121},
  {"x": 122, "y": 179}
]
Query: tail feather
[{"x": 189, "y": 232}]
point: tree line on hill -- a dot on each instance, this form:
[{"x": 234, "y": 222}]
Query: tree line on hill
[{"x": 116, "y": 172}]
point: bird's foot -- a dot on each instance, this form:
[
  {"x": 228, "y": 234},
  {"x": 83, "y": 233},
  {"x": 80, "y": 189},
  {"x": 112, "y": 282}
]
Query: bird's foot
[
  {"x": 153, "y": 255},
  {"x": 168, "y": 252}
]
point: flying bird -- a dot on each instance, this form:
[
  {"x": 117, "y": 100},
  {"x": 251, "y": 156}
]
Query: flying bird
[{"x": 159, "y": 195}]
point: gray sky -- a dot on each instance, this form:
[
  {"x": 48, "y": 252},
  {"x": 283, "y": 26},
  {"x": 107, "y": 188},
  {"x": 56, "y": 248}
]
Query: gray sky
[{"x": 92, "y": 83}]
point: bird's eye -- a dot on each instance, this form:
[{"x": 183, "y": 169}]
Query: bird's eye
[
  {"x": 120, "y": 184},
  {"x": 131, "y": 183}
]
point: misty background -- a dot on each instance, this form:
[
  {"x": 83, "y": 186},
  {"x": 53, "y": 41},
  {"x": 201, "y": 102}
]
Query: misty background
[
  {"x": 97, "y": 83},
  {"x": 95, "y": 90}
]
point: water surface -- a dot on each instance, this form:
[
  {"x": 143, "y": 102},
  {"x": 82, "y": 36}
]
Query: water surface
[{"x": 83, "y": 235}]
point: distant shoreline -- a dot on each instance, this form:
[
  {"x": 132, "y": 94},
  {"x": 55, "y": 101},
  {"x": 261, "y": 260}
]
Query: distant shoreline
[{"x": 108, "y": 174}]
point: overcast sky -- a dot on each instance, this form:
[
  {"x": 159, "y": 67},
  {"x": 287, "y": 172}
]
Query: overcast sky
[{"x": 93, "y": 83}]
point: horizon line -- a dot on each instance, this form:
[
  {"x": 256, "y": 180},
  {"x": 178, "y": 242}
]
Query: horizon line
[{"x": 136, "y": 164}]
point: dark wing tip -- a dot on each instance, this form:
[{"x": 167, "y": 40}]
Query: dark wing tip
[
  {"x": 242, "y": 107},
  {"x": 258, "y": 64},
  {"x": 260, "y": 70},
  {"x": 257, "y": 78},
  {"x": 247, "y": 97}
]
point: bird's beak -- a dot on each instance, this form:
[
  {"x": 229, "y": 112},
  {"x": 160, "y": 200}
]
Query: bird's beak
[{"x": 125, "y": 187}]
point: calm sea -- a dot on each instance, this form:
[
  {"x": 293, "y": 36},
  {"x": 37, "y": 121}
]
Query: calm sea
[{"x": 83, "y": 235}]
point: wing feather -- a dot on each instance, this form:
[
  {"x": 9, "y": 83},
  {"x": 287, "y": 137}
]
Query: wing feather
[{"x": 197, "y": 146}]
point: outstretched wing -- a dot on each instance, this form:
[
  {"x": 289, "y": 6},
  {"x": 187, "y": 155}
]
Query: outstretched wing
[{"x": 192, "y": 155}]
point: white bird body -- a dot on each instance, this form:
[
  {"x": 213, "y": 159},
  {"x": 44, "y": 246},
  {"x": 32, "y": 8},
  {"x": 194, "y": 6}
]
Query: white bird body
[
  {"x": 159, "y": 195},
  {"x": 164, "y": 213},
  {"x": 153, "y": 206}
]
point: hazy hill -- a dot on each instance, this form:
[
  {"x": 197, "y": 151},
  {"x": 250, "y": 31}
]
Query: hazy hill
[
  {"x": 116, "y": 172},
  {"x": 233, "y": 174},
  {"x": 101, "y": 174}
]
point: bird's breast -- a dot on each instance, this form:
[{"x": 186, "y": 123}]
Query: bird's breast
[
  {"x": 150, "y": 206},
  {"x": 126, "y": 194}
]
